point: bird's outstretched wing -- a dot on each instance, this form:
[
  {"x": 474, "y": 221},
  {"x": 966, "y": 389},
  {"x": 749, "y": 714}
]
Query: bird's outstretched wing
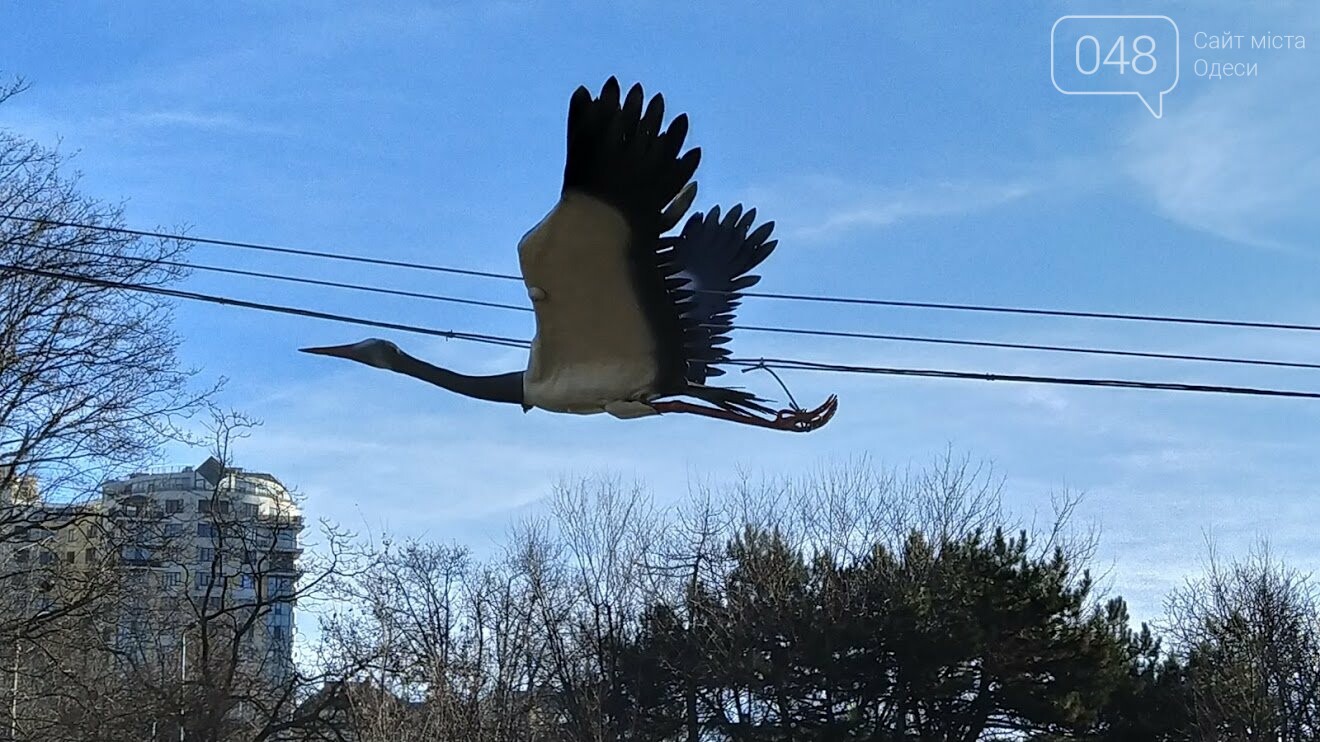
[
  {"x": 618, "y": 153},
  {"x": 592, "y": 266},
  {"x": 706, "y": 268},
  {"x": 687, "y": 284}
]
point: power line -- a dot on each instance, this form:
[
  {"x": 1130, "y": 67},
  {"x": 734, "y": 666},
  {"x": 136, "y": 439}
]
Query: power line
[
  {"x": 262, "y": 306},
  {"x": 1033, "y": 346},
  {"x": 1158, "y": 318},
  {"x": 960, "y": 342},
  {"x": 787, "y": 364},
  {"x": 818, "y": 298},
  {"x": 263, "y": 248},
  {"x": 292, "y": 279}
]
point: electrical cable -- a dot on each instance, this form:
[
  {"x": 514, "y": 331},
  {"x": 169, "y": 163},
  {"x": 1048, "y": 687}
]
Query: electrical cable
[
  {"x": 747, "y": 328},
  {"x": 820, "y": 298},
  {"x": 786, "y": 364}
]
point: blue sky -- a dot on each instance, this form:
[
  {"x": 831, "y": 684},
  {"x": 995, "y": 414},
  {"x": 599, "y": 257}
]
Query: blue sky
[{"x": 905, "y": 152}]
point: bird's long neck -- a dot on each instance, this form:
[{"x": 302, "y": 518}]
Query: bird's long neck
[{"x": 498, "y": 388}]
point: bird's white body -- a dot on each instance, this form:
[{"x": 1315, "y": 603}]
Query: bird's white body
[{"x": 594, "y": 350}]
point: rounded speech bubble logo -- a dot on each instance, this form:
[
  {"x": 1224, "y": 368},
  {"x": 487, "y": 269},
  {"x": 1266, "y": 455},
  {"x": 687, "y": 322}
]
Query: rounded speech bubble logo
[{"x": 1116, "y": 55}]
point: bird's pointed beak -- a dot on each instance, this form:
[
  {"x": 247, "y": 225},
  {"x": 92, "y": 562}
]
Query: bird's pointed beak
[{"x": 338, "y": 351}]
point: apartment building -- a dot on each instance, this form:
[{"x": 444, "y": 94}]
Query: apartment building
[
  {"x": 209, "y": 548},
  {"x": 187, "y": 575},
  {"x": 35, "y": 534}
]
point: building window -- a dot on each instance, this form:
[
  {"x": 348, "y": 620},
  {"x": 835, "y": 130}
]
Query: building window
[
  {"x": 46, "y": 557},
  {"x": 89, "y": 555},
  {"x": 70, "y": 556},
  {"x": 202, "y": 580},
  {"x": 205, "y": 554},
  {"x": 204, "y": 505},
  {"x": 205, "y": 529},
  {"x": 173, "y": 529},
  {"x": 171, "y": 579},
  {"x": 174, "y": 506},
  {"x": 249, "y": 509}
]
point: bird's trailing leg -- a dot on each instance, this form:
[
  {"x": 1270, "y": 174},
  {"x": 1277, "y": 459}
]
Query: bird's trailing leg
[{"x": 798, "y": 421}]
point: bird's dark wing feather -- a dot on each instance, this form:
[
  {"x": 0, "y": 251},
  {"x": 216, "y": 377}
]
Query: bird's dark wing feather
[
  {"x": 706, "y": 267},
  {"x": 618, "y": 153}
]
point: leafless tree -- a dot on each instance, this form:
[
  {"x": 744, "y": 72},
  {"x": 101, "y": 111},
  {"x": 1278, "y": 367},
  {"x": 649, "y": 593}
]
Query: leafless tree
[
  {"x": 527, "y": 645},
  {"x": 446, "y": 648},
  {"x": 1249, "y": 632},
  {"x": 842, "y": 508},
  {"x": 518, "y": 648},
  {"x": 89, "y": 378},
  {"x": 90, "y": 386}
]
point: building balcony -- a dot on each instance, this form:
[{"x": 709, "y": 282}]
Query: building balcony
[
  {"x": 288, "y": 521},
  {"x": 283, "y": 564}
]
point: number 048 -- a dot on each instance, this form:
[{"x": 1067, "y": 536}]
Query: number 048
[{"x": 1143, "y": 55}]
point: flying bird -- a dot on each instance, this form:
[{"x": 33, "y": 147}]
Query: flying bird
[{"x": 627, "y": 319}]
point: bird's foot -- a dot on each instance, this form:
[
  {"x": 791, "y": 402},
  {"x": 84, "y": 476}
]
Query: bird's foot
[
  {"x": 805, "y": 421},
  {"x": 794, "y": 420}
]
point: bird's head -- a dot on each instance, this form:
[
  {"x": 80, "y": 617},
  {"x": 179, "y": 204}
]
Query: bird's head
[{"x": 373, "y": 352}]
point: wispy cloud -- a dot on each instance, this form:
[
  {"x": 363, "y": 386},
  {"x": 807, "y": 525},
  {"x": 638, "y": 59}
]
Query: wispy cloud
[
  {"x": 48, "y": 126},
  {"x": 822, "y": 207},
  {"x": 184, "y": 119},
  {"x": 1238, "y": 160},
  {"x": 890, "y": 208}
]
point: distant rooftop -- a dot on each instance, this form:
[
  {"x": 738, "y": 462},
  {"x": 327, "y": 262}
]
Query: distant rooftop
[{"x": 211, "y": 471}]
